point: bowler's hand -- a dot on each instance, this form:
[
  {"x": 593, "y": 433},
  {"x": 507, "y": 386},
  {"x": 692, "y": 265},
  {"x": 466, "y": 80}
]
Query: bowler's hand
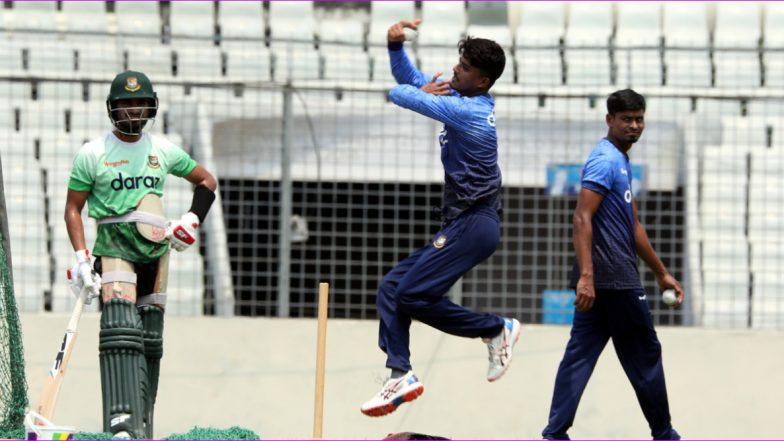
[
  {"x": 436, "y": 88},
  {"x": 584, "y": 294},
  {"x": 668, "y": 281},
  {"x": 396, "y": 33}
]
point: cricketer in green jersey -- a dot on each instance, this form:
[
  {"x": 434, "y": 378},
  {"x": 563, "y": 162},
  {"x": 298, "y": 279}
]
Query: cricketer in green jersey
[{"x": 120, "y": 175}]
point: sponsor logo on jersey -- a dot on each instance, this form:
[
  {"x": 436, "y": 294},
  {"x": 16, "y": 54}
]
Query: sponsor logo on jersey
[
  {"x": 115, "y": 163},
  {"x": 623, "y": 172},
  {"x": 152, "y": 162},
  {"x": 627, "y": 196},
  {"x": 134, "y": 182},
  {"x": 440, "y": 242},
  {"x": 132, "y": 84},
  {"x": 491, "y": 119},
  {"x": 442, "y": 137}
]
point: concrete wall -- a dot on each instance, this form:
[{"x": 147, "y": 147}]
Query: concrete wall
[{"x": 259, "y": 374}]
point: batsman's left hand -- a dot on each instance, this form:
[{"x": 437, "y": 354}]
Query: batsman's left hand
[
  {"x": 82, "y": 279},
  {"x": 182, "y": 233}
]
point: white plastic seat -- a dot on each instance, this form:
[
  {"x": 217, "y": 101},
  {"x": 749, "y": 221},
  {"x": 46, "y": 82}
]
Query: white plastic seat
[
  {"x": 685, "y": 24},
  {"x": 198, "y": 63},
  {"x": 296, "y": 62},
  {"x": 56, "y": 60},
  {"x": 340, "y": 30},
  {"x": 725, "y": 299},
  {"x": 588, "y": 67},
  {"x": 443, "y": 23},
  {"x": 241, "y": 19},
  {"x": 737, "y": 25},
  {"x": 247, "y": 62},
  {"x": 11, "y": 59},
  {"x": 384, "y": 14},
  {"x": 192, "y": 20},
  {"x": 638, "y": 67},
  {"x": 589, "y": 24},
  {"x": 140, "y": 19},
  {"x": 154, "y": 61},
  {"x": 737, "y": 69},
  {"x": 541, "y": 23},
  {"x": 767, "y": 302},
  {"x": 345, "y": 63},
  {"x": 292, "y": 21},
  {"x": 687, "y": 68},
  {"x": 34, "y": 16},
  {"x": 639, "y": 24},
  {"x": 88, "y": 17}
]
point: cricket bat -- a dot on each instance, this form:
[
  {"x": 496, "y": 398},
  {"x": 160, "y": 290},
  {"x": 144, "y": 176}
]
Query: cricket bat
[{"x": 54, "y": 380}]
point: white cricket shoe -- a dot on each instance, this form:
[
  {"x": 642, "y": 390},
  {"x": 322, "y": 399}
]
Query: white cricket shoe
[
  {"x": 395, "y": 392},
  {"x": 500, "y": 349}
]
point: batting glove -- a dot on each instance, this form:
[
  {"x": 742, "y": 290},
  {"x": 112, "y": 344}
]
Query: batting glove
[
  {"x": 182, "y": 233},
  {"x": 82, "y": 279}
]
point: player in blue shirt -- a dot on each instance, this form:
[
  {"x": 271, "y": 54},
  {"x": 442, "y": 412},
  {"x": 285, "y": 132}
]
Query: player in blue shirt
[
  {"x": 416, "y": 287},
  {"x": 610, "y": 302}
]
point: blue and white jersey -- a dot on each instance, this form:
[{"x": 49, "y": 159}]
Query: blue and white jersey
[
  {"x": 469, "y": 144},
  {"x": 609, "y": 173}
]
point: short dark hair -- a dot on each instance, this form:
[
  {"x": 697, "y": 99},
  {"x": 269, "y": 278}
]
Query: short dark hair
[
  {"x": 625, "y": 100},
  {"x": 485, "y": 55}
]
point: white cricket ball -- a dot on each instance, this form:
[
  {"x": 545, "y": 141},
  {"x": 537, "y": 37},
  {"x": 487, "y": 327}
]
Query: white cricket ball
[
  {"x": 669, "y": 297},
  {"x": 411, "y": 35}
]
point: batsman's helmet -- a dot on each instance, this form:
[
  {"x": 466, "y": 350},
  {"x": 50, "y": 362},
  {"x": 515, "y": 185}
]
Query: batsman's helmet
[{"x": 131, "y": 119}]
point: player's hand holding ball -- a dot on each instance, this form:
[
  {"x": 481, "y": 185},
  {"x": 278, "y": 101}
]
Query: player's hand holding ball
[
  {"x": 669, "y": 298},
  {"x": 402, "y": 31},
  {"x": 82, "y": 277},
  {"x": 182, "y": 233}
]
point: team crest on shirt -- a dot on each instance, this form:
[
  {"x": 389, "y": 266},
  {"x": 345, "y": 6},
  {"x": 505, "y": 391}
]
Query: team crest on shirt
[
  {"x": 132, "y": 84},
  {"x": 152, "y": 162},
  {"x": 440, "y": 242}
]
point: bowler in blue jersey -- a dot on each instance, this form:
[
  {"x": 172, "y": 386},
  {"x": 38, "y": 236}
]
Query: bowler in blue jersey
[
  {"x": 416, "y": 287},
  {"x": 610, "y": 302}
]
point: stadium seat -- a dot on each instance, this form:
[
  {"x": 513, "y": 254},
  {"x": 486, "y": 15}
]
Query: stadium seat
[
  {"x": 590, "y": 24},
  {"x": 725, "y": 299},
  {"x": 82, "y": 20},
  {"x": 197, "y": 62},
  {"x": 48, "y": 60},
  {"x": 382, "y": 16},
  {"x": 241, "y": 20},
  {"x": 154, "y": 60},
  {"x": 639, "y": 24},
  {"x": 685, "y": 24},
  {"x": 542, "y": 24},
  {"x": 687, "y": 68},
  {"x": 345, "y": 63},
  {"x": 34, "y": 17},
  {"x": 767, "y": 306},
  {"x": 11, "y": 59},
  {"x": 639, "y": 27},
  {"x": 292, "y": 21},
  {"x": 491, "y": 20},
  {"x": 338, "y": 29},
  {"x": 296, "y": 61},
  {"x": 247, "y": 61},
  {"x": 443, "y": 23},
  {"x": 192, "y": 20},
  {"x": 138, "y": 19}
]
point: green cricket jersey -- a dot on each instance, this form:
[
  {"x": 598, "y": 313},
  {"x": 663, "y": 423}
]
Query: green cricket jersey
[{"x": 117, "y": 175}]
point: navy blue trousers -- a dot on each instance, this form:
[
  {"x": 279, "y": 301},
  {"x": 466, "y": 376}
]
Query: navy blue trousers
[
  {"x": 416, "y": 287},
  {"x": 624, "y": 316}
]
